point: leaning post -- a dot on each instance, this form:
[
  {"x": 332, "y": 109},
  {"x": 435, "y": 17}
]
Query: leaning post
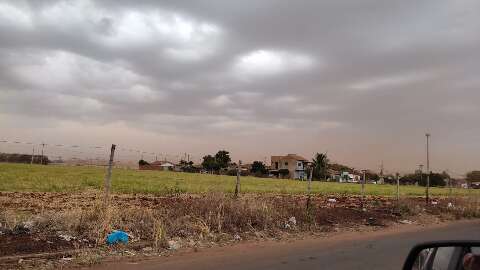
[{"x": 108, "y": 177}]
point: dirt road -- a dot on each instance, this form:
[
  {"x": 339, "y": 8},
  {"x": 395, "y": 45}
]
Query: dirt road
[{"x": 375, "y": 250}]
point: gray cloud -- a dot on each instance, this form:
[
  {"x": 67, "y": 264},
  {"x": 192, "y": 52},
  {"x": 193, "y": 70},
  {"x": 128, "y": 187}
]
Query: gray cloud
[{"x": 322, "y": 73}]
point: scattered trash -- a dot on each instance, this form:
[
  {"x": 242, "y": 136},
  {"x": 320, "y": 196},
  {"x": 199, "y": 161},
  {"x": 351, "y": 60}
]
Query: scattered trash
[
  {"x": 237, "y": 237},
  {"x": 20, "y": 261},
  {"x": 364, "y": 209},
  {"x": 287, "y": 226},
  {"x": 405, "y": 221},
  {"x": 332, "y": 200},
  {"x": 130, "y": 253},
  {"x": 28, "y": 225},
  {"x": 292, "y": 220},
  {"x": 371, "y": 221},
  {"x": 434, "y": 202},
  {"x": 66, "y": 259},
  {"x": 147, "y": 249},
  {"x": 20, "y": 229},
  {"x": 66, "y": 237},
  {"x": 173, "y": 245},
  {"x": 117, "y": 237},
  {"x": 450, "y": 205}
]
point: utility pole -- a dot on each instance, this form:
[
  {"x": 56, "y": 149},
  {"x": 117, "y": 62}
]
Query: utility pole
[{"x": 428, "y": 170}]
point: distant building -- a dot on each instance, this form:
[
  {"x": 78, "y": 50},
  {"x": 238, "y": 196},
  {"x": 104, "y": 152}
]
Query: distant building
[
  {"x": 290, "y": 166},
  {"x": 159, "y": 166},
  {"x": 347, "y": 177}
]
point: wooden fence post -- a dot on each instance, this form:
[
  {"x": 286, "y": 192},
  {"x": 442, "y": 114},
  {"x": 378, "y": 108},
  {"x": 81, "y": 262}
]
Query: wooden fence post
[
  {"x": 398, "y": 187},
  {"x": 108, "y": 178},
  {"x": 237, "y": 185},
  {"x": 363, "y": 190},
  {"x": 33, "y": 155},
  {"x": 363, "y": 186},
  {"x": 309, "y": 188}
]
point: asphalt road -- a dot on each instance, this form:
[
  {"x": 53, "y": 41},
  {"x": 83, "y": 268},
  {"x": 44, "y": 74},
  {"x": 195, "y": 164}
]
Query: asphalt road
[{"x": 373, "y": 250}]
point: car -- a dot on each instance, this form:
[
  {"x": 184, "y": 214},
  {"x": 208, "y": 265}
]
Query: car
[{"x": 475, "y": 185}]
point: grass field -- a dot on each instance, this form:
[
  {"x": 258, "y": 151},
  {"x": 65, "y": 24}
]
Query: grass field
[{"x": 25, "y": 177}]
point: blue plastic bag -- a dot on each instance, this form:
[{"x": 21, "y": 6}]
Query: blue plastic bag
[{"x": 117, "y": 237}]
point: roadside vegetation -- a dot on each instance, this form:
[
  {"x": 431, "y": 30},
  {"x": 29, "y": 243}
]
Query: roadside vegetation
[
  {"x": 75, "y": 225},
  {"x": 58, "y": 211},
  {"x": 26, "y": 177}
]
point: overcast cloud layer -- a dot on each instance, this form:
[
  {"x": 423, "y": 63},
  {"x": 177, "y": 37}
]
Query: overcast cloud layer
[{"x": 363, "y": 80}]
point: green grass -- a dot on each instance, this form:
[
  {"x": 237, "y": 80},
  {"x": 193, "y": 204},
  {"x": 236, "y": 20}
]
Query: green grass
[{"x": 25, "y": 177}]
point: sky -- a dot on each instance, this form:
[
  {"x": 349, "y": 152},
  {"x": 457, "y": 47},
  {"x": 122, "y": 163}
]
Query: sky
[{"x": 361, "y": 80}]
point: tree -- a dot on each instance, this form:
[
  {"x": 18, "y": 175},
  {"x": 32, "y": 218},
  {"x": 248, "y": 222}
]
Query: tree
[
  {"x": 258, "y": 168},
  {"x": 186, "y": 166},
  {"x": 320, "y": 164},
  {"x": 222, "y": 158},
  {"x": 473, "y": 176},
  {"x": 142, "y": 162},
  {"x": 436, "y": 179},
  {"x": 372, "y": 176},
  {"x": 209, "y": 163},
  {"x": 22, "y": 158}
]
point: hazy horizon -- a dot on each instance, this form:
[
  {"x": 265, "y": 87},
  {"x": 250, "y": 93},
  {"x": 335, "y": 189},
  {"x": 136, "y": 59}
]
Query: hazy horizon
[{"x": 361, "y": 80}]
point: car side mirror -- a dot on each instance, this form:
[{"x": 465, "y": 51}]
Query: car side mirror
[{"x": 444, "y": 255}]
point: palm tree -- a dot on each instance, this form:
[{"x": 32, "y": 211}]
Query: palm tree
[{"x": 320, "y": 163}]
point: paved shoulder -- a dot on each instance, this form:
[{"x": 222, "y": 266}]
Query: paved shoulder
[{"x": 378, "y": 250}]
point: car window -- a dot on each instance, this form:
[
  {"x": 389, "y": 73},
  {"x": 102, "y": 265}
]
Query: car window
[{"x": 443, "y": 257}]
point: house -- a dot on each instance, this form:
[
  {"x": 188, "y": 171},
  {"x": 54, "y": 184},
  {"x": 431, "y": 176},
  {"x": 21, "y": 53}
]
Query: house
[
  {"x": 347, "y": 177},
  {"x": 158, "y": 165},
  {"x": 164, "y": 165},
  {"x": 290, "y": 166}
]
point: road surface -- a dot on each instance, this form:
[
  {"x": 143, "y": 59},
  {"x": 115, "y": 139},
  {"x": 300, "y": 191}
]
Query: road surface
[{"x": 373, "y": 250}]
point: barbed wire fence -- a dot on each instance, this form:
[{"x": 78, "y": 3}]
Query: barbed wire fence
[
  {"x": 99, "y": 154},
  {"x": 79, "y": 154}
]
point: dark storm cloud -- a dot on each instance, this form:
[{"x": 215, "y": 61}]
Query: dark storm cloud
[{"x": 366, "y": 68}]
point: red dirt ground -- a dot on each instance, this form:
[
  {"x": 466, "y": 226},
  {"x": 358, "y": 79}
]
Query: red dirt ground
[{"x": 346, "y": 211}]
